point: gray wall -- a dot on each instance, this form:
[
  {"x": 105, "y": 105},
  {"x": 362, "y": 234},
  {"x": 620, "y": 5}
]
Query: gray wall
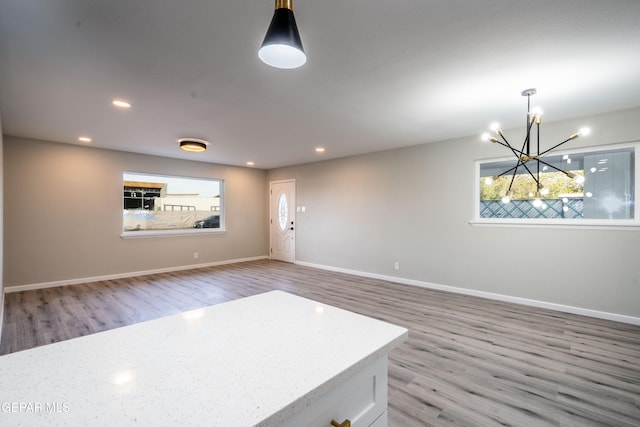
[
  {"x": 1, "y": 232},
  {"x": 63, "y": 215},
  {"x": 365, "y": 212}
]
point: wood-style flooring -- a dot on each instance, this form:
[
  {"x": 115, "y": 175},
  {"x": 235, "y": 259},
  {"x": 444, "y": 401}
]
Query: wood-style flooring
[{"x": 468, "y": 361}]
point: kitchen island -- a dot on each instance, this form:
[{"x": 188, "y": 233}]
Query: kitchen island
[{"x": 272, "y": 359}]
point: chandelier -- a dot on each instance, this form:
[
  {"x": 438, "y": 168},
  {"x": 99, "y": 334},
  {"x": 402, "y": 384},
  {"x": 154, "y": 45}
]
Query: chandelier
[{"x": 527, "y": 159}]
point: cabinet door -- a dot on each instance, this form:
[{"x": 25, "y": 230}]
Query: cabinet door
[
  {"x": 361, "y": 398},
  {"x": 382, "y": 420}
]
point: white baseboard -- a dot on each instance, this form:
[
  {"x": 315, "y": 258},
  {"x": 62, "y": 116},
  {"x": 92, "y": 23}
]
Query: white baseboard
[
  {"x": 498, "y": 297},
  {"x": 32, "y": 286}
]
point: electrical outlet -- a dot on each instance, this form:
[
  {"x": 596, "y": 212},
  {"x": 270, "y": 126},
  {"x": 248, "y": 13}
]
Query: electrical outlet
[
  {"x": 396, "y": 265},
  {"x": 195, "y": 255}
]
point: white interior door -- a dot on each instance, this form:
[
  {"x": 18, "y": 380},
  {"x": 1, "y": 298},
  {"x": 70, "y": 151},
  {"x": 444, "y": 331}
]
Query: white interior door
[{"x": 282, "y": 212}]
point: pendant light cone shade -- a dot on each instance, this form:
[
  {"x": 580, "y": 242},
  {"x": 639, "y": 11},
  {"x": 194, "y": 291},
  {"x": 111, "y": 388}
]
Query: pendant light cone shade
[{"x": 282, "y": 47}]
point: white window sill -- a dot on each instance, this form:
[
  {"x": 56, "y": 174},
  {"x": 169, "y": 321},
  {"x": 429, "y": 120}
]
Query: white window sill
[
  {"x": 143, "y": 234},
  {"x": 567, "y": 223}
]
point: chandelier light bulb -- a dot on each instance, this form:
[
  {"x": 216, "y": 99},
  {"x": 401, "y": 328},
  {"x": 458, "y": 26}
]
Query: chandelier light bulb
[
  {"x": 495, "y": 126},
  {"x": 485, "y": 136},
  {"x": 544, "y": 191},
  {"x": 506, "y": 199},
  {"x": 537, "y": 203},
  {"x": 579, "y": 179},
  {"x": 536, "y": 115},
  {"x": 488, "y": 180},
  {"x": 581, "y": 132}
]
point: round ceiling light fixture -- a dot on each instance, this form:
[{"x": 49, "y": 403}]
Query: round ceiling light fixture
[{"x": 193, "y": 144}]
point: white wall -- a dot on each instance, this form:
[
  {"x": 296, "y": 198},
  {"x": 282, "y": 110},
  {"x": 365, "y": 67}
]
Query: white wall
[
  {"x": 63, "y": 214},
  {"x": 413, "y": 205}
]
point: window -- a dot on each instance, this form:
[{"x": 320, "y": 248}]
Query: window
[
  {"x": 161, "y": 204},
  {"x": 283, "y": 211},
  {"x": 601, "y": 189}
]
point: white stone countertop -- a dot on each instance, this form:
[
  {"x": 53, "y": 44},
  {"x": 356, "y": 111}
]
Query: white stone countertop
[{"x": 255, "y": 361}]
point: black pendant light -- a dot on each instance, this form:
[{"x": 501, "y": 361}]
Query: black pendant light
[{"x": 282, "y": 47}]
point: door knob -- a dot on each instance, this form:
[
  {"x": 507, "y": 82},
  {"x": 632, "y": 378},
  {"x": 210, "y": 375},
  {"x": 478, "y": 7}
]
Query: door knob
[{"x": 345, "y": 423}]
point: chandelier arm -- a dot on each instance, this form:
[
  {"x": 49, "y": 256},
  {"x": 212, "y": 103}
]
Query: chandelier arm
[
  {"x": 524, "y": 144},
  {"x": 515, "y": 170},
  {"x": 513, "y": 178},
  {"x": 520, "y": 162},
  {"x": 538, "y": 138},
  {"x": 556, "y": 146},
  {"x": 513, "y": 149},
  {"x": 557, "y": 169},
  {"x": 507, "y": 171},
  {"x": 527, "y": 141},
  {"x": 531, "y": 173},
  {"x": 522, "y": 153}
]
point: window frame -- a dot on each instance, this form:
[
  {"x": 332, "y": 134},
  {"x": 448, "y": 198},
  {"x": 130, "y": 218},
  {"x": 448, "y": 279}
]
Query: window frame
[
  {"x": 617, "y": 224},
  {"x": 136, "y": 234}
]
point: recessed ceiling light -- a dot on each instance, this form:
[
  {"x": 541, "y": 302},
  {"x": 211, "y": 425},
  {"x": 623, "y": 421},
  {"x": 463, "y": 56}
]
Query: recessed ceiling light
[
  {"x": 250, "y": 163},
  {"x": 193, "y": 144},
  {"x": 84, "y": 139},
  {"x": 319, "y": 149},
  {"x": 121, "y": 103}
]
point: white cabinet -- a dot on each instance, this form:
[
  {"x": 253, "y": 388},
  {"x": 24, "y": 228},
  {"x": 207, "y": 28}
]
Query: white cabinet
[
  {"x": 361, "y": 398},
  {"x": 381, "y": 421}
]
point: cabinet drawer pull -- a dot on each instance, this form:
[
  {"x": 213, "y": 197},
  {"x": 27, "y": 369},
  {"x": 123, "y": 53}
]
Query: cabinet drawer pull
[{"x": 345, "y": 423}]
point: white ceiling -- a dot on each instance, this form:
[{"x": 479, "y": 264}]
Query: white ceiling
[{"x": 379, "y": 74}]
